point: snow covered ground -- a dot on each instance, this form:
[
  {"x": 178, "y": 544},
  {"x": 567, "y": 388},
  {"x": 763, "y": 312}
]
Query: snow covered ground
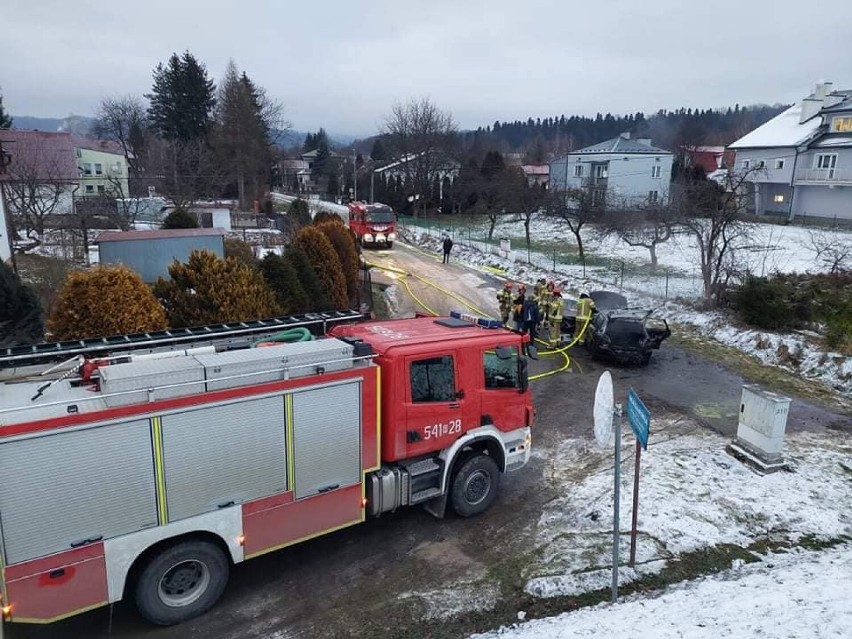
[
  {"x": 800, "y": 594},
  {"x": 771, "y": 249},
  {"x": 694, "y": 496}
]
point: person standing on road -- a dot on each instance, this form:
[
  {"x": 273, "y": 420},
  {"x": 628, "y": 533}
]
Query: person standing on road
[
  {"x": 447, "y": 246},
  {"x": 504, "y": 297},
  {"x": 531, "y": 318},
  {"x": 555, "y": 312},
  {"x": 518, "y": 305}
]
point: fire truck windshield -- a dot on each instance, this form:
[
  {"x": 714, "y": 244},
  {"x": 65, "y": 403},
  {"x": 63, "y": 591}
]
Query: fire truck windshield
[{"x": 382, "y": 215}]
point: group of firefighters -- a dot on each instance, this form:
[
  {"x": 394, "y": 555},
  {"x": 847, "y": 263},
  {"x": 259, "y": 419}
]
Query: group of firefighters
[{"x": 543, "y": 310}]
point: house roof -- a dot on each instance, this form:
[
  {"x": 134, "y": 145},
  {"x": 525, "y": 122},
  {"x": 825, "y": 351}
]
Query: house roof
[
  {"x": 782, "y": 130},
  {"x": 621, "y": 145},
  {"x": 536, "y": 169},
  {"x": 102, "y": 146},
  {"x": 162, "y": 234},
  {"x": 845, "y": 103},
  {"x": 40, "y": 155}
]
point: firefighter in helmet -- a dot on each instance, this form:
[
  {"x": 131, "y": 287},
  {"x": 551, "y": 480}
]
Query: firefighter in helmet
[
  {"x": 504, "y": 297},
  {"x": 545, "y": 297},
  {"x": 538, "y": 288},
  {"x": 518, "y": 305},
  {"x": 585, "y": 309},
  {"x": 555, "y": 312}
]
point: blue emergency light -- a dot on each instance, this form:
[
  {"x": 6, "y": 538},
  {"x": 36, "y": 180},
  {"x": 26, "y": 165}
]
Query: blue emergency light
[{"x": 484, "y": 322}]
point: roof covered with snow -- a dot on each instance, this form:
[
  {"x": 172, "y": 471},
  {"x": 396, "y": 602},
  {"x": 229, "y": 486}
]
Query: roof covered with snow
[
  {"x": 782, "y": 130},
  {"x": 621, "y": 145}
]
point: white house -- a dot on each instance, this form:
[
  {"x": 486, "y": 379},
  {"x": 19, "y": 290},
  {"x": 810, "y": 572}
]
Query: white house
[
  {"x": 800, "y": 162},
  {"x": 620, "y": 171}
]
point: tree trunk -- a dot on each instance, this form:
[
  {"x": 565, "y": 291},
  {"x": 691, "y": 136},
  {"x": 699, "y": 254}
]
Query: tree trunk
[
  {"x": 492, "y": 222},
  {"x": 653, "y": 250},
  {"x": 579, "y": 244}
]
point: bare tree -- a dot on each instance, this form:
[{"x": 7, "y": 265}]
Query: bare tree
[
  {"x": 39, "y": 183},
  {"x": 645, "y": 226},
  {"x": 123, "y": 120},
  {"x": 576, "y": 209},
  {"x": 186, "y": 171},
  {"x": 832, "y": 251},
  {"x": 421, "y": 137},
  {"x": 711, "y": 212}
]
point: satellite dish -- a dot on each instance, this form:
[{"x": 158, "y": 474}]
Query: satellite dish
[{"x": 604, "y": 404}]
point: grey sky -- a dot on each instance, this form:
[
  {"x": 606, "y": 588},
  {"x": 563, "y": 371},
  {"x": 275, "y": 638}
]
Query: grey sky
[{"x": 342, "y": 64}]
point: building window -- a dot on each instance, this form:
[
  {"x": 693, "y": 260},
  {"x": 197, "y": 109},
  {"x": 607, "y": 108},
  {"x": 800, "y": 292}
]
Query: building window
[
  {"x": 90, "y": 188},
  {"x": 656, "y": 171},
  {"x": 653, "y": 196},
  {"x": 778, "y": 199},
  {"x": 746, "y": 164},
  {"x": 99, "y": 169},
  {"x": 578, "y": 170},
  {"x": 760, "y": 164},
  {"x": 779, "y": 164},
  {"x": 87, "y": 169},
  {"x": 826, "y": 161},
  {"x": 101, "y": 189}
]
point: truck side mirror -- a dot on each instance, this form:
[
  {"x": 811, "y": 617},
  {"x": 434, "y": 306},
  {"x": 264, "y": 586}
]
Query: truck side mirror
[
  {"x": 523, "y": 376},
  {"x": 504, "y": 352}
]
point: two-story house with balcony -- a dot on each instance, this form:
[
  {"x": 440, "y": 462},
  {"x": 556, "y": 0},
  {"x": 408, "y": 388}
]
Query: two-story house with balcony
[
  {"x": 621, "y": 172},
  {"x": 800, "y": 162}
]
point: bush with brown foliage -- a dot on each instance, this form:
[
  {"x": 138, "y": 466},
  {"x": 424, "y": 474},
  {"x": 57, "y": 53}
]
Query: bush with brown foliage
[
  {"x": 209, "y": 290},
  {"x": 104, "y": 300},
  {"x": 347, "y": 252},
  {"x": 325, "y": 263},
  {"x": 240, "y": 251},
  {"x": 326, "y": 216}
]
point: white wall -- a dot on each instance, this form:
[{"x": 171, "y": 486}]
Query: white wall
[{"x": 5, "y": 240}]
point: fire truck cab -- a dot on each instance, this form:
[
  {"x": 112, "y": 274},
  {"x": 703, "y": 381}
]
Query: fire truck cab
[
  {"x": 372, "y": 224},
  {"x": 149, "y": 474}
]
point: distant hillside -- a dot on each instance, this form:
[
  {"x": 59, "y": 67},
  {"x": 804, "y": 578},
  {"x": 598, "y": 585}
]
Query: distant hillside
[
  {"x": 78, "y": 124},
  {"x": 540, "y": 137}
]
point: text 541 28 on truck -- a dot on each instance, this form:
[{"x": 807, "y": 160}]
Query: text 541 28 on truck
[
  {"x": 372, "y": 224},
  {"x": 149, "y": 474}
]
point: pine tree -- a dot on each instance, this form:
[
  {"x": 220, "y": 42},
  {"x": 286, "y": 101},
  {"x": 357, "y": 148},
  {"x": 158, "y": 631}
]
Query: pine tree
[
  {"x": 299, "y": 212},
  {"x": 281, "y": 276},
  {"x": 326, "y": 264},
  {"x": 210, "y": 290},
  {"x": 21, "y": 315},
  {"x": 308, "y": 278},
  {"x": 5, "y": 118},
  {"x": 102, "y": 301},
  {"x": 180, "y": 218},
  {"x": 182, "y": 99},
  {"x": 378, "y": 153}
]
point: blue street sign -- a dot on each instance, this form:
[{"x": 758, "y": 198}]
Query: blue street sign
[{"x": 638, "y": 417}]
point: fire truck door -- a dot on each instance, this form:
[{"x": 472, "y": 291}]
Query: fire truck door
[
  {"x": 501, "y": 402},
  {"x": 438, "y": 408}
]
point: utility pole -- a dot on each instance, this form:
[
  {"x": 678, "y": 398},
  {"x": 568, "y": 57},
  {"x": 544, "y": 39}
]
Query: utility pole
[{"x": 355, "y": 177}]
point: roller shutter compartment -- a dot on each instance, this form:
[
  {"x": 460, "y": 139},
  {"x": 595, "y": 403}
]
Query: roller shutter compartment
[
  {"x": 327, "y": 438},
  {"x": 65, "y": 488},
  {"x": 225, "y": 454}
]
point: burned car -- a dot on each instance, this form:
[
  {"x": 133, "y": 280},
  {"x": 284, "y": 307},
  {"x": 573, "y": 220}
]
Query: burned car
[{"x": 616, "y": 332}]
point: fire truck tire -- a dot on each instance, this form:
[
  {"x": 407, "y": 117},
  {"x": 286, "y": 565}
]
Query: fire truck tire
[
  {"x": 475, "y": 486},
  {"x": 389, "y": 245},
  {"x": 181, "y": 582}
]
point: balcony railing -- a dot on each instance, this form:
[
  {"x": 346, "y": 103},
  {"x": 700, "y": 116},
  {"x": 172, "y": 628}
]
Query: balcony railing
[
  {"x": 823, "y": 176},
  {"x": 594, "y": 182}
]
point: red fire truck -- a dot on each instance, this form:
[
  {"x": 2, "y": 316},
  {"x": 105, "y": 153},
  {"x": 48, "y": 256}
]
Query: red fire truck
[
  {"x": 372, "y": 224},
  {"x": 147, "y": 465}
]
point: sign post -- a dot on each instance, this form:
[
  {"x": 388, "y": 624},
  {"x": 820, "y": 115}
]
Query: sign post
[
  {"x": 616, "y": 503},
  {"x": 639, "y": 418}
]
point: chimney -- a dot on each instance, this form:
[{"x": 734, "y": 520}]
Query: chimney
[
  {"x": 812, "y": 104},
  {"x": 626, "y": 135}
]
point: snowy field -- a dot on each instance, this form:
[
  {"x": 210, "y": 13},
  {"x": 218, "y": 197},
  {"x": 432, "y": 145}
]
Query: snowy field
[
  {"x": 799, "y": 594},
  {"x": 771, "y": 249},
  {"x": 694, "y": 496}
]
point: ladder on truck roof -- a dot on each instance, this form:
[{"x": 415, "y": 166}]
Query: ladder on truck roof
[{"x": 171, "y": 339}]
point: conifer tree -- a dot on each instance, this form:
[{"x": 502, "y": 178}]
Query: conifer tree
[{"x": 21, "y": 316}]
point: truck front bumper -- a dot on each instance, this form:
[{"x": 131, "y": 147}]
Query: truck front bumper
[{"x": 517, "y": 445}]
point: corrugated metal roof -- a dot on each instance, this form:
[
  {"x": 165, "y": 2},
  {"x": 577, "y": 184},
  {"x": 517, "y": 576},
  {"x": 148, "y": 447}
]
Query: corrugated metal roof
[
  {"x": 162, "y": 234},
  {"x": 621, "y": 145}
]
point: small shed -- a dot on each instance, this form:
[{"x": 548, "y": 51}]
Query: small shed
[{"x": 150, "y": 253}]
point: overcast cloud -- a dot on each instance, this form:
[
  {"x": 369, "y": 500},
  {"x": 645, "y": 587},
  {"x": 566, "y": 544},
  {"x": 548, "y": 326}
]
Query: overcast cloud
[{"x": 342, "y": 64}]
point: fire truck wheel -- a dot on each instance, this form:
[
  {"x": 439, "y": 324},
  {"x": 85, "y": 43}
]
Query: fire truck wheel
[
  {"x": 475, "y": 486},
  {"x": 181, "y": 582},
  {"x": 389, "y": 245}
]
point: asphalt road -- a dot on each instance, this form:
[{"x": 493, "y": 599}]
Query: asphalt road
[{"x": 351, "y": 583}]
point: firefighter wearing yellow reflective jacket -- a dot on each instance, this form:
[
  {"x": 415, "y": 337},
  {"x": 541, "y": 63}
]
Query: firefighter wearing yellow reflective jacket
[
  {"x": 585, "y": 308},
  {"x": 555, "y": 312},
  {"x": 505, "y": 297},
  {"x": 545, "y": 297}
]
